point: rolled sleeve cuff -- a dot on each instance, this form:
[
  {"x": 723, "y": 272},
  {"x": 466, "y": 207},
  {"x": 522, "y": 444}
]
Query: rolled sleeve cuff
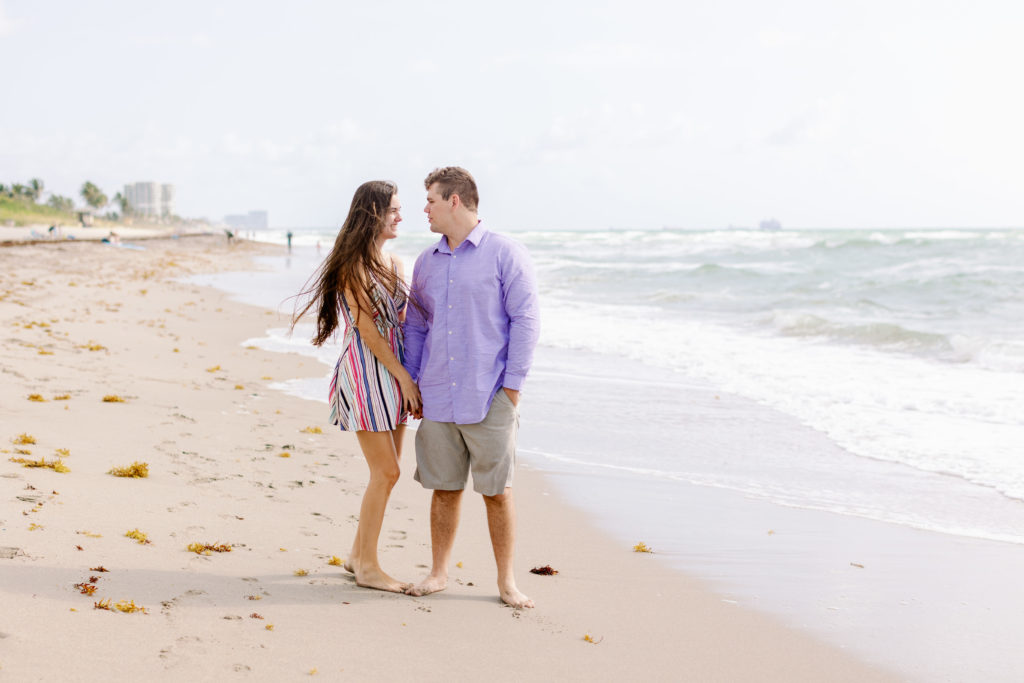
[{"x": 513, "y": 382}]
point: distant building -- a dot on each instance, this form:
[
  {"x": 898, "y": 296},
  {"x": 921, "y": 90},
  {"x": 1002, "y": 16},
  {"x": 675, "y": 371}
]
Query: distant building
[
  {"x": 254, "y": 220},
  {"x": 150, "y": 199}
]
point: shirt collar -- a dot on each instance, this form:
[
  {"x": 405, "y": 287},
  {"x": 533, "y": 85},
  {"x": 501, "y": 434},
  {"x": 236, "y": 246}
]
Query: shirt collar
[{"x": 475, "y": 237}]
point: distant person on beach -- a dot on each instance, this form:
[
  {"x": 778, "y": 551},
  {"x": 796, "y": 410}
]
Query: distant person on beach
[
  {"x": 371, "y": 393},
  {"x": 469, "y": 344},
  {"x": 289, "y": 241},
  {"x": 230, "y": 235}
]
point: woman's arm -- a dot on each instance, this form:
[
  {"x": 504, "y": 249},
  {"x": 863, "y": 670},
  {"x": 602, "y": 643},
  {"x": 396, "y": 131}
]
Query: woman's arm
[{"x": 381, "y": 349}]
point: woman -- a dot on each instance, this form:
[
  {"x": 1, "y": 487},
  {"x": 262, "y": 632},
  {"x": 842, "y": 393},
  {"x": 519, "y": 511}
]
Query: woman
[{"x": 371, "y": 393}]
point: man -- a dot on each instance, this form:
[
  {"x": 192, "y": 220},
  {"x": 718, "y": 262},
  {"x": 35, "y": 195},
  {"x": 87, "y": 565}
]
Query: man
[{"x": 469, "y": 340}]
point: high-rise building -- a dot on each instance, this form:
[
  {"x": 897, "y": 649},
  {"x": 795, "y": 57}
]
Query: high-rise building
[
  {"x": 150, "y": 199},
  {"x": 254, "y": 220},
  {"x": 166, "y": 200}
]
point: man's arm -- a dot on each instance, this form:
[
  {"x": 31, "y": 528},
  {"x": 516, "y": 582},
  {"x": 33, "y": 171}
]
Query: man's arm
[
  {"x": 415, "y": 325},
  {"x": 519, "y": 291}
]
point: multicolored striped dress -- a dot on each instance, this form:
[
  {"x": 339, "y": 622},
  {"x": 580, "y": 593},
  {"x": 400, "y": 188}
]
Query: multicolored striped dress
[{"x": 365, "y": 397}]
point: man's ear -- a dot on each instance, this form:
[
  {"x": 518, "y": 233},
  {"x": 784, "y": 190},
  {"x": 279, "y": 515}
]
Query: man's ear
[{"x": 456, "y": 201}]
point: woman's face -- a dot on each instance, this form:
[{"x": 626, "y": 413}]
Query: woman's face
[{"x": 392, "y": 218}]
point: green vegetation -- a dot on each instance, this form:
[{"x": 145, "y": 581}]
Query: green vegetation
[
  {"x": 93, "y": 196},
  {"x": 19, "y": 203},
  {"x": 26, "y": 212}
]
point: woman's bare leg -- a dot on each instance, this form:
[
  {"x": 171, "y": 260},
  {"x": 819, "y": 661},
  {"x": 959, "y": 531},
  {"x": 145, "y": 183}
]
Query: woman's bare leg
[{"x": 381, "y": 450}]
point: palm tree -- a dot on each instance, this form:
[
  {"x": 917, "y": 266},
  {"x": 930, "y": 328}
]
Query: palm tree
[
  {"x": 61, "y": 203},
  {"x": 124, "y": 204},
  {"x": 35, "y": 189},
  {"x": 93, "y": 195}
]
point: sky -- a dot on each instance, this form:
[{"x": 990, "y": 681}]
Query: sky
[{"x": 622, "y": 114}]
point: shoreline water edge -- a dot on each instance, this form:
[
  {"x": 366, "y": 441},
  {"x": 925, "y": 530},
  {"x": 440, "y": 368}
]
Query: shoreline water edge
[{"x": 907, "y": 556}]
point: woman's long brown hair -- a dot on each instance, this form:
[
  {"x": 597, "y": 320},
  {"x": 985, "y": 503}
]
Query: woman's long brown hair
[{"x": 354, "y": 263}]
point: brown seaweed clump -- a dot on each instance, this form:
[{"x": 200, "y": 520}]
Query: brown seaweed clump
[
  {"x": 137, "y": 470},
  {"x": 113, "y": 398},
  {"x": 546, "y": 570},
  {"x": 38, "y": 398},
  {"x": 24, "y": 439}
]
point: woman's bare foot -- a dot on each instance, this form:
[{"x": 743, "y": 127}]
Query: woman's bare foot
[
  {"x": 349, "y": 566},
  {"x": 376, "y": 578},
  {"x": 431, "y": 584},
  {"x": 513, "y": 598}
]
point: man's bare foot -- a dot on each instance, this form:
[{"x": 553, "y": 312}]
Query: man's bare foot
[
  {"x": 431, "y": 584},
  {"x": 376, "y": 578},
  {"x": 513, "y": 598}
]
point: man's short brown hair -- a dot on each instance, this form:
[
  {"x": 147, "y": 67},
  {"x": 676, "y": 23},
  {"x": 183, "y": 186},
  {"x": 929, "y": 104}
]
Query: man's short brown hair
[{"x": 454, "y": 180}]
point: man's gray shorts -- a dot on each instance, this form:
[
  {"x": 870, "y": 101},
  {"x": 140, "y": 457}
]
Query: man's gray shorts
[{"x": 445, "y": 451}]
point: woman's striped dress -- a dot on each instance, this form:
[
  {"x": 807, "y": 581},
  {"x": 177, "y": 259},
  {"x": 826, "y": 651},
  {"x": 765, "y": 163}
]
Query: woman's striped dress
[{"x": 364, "y": 395}]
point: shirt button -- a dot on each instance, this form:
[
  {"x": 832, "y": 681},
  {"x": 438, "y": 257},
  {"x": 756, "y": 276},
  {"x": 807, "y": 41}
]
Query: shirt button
[
  {"x": 453, "y": 384},
  {"x": 449, "y": 331},
  {"x": 452, "y": 358},
  {"x": 451, "y": 282},
  {"x": 449, "y": 305}
]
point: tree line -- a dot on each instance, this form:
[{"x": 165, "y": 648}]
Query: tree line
[{"x": 91, "y": 194}]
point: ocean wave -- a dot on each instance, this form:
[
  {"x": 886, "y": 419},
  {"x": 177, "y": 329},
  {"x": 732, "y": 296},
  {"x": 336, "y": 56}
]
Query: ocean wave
[{"x": 876, "y": 334}]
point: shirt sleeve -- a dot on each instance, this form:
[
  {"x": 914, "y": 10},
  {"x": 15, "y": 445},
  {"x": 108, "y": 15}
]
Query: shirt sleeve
[
  {"x": 415, "y": 326},
  {"x": 519, "y": 292}
]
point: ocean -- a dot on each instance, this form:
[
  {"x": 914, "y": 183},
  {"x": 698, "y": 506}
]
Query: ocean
[{"x": 873, "y": 375}]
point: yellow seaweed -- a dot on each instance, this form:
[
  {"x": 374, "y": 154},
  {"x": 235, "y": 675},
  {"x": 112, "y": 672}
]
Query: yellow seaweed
[
  {"x": 215, "y": 368},
  {"x": 38, "y": 398},
  {"x": 24, "y": 439},
  {"x": 301, "y": 572},
  {"x": 55, "y": 465},
  {"x": 207, "y": 548},
  {"x": 335, "y": 561},
  {"x": 642, "y": 547},
  {"x": 63, "y": 452},
  {"x": 62, "y": 397},
  {"x": 138, "y": 536},
  {"x": 137, "y": 470},
  {"x": 113, "y": 398},
  {"x": 129, "y": 606},
  {"x": 312, "y": 430}
]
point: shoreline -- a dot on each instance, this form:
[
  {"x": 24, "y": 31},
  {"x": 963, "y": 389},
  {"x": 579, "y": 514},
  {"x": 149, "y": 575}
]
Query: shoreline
[{"x": 216, "y": 476}]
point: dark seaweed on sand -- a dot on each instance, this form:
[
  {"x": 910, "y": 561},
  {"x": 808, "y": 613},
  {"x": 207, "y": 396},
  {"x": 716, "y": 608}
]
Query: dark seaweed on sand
[{"x": 546, "y": 570}]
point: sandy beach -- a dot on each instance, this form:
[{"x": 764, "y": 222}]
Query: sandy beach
[{"x": 235, "y": 463}]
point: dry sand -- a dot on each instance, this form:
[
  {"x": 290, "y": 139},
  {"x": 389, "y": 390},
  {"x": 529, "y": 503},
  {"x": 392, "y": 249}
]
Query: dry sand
[{"x": 87, "y": 321}]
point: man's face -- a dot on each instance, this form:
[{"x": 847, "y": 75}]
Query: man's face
[{"x": 439, "y": 210}]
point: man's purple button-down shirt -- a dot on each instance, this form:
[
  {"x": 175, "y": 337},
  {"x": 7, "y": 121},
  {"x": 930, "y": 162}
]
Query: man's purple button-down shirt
[{"x": 478, "y": 327}]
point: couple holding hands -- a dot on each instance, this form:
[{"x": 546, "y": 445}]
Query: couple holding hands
[{"x": 452, "y": 348}]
